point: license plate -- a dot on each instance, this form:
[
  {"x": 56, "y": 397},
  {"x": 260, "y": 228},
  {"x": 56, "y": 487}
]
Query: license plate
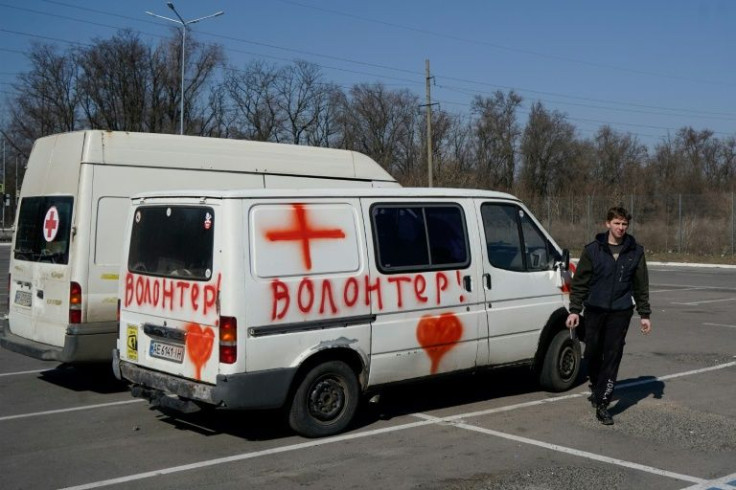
[
  {"x": 23, "y": 298},
  {"x": 170, "y": 352}
]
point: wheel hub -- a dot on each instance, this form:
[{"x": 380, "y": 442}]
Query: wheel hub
[{"x": 327, "y": 399}]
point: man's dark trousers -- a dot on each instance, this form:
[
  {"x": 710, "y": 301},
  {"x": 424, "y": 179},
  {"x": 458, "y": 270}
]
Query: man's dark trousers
[{"x": 605, "y": 337}]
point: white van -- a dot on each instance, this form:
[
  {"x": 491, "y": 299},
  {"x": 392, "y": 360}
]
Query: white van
[
  {"x": 73, "y": 205},
  {"x": 308, "y": 299}
]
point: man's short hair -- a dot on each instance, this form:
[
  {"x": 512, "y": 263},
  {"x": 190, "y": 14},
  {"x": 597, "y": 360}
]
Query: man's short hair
[{"x": 618, "y": 212}]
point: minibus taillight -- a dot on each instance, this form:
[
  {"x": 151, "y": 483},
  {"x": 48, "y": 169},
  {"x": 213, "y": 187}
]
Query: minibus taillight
[
  {"x": 228, "y": 340},
  {"x": 75, "y": 303}
]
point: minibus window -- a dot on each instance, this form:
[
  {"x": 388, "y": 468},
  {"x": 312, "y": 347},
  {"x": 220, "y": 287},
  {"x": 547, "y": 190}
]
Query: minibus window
[
  {"x": 420, "y": 237},
  {"x": 172, "y": 241},
  {"x": 44, "y": 224}
]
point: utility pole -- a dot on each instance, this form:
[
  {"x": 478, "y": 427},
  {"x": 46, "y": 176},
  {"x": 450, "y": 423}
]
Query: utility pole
[{"x": 429, "y": 127}]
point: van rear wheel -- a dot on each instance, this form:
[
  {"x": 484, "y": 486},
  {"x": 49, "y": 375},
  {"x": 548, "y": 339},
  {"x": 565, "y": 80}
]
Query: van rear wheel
[
  {"x": 561, "y": 363},
  {"x": 325, "y": 401}
]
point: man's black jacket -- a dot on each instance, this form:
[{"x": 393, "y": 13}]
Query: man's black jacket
[{"x": 603, "y": 283}]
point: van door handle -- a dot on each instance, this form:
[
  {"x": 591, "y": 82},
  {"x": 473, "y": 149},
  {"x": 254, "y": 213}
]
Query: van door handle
[
  {"x": 487, "y": 280},
  {"x": 468, "y": 283},
  {"x": 39, "y": 293}
]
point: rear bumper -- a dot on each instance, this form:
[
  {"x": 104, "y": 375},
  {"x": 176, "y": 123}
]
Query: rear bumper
[
  {"x": 245, "y": 391},
  {"x": 83, "y": 342}
]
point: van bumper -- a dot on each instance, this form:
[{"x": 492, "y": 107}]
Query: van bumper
[
  {"x": 244, "y": 391},
  {"x": 83, "y": 342}
]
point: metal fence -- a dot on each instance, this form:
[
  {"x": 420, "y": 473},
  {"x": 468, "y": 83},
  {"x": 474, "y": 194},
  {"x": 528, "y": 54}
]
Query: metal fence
[{"x": 701, "y": 224}]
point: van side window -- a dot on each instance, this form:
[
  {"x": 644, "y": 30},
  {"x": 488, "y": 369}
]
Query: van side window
[
  {"x": 419, "y": 237},
  {"x": 514, "y": 241},
  {"x": 172, "y": 241}
]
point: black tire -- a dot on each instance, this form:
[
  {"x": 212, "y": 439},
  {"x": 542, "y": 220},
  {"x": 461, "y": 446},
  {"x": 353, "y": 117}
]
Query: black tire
[
  {"x": 325, "y": 401},
  {"x": 561, "y": 365}
]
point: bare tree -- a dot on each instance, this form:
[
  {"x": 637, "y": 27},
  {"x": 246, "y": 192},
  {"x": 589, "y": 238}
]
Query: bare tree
[
  {"x": 47, "y": 101},
  {"x": 113, "y": 82},
  {"x": 302, "y": 98},
  {"x": 496, "y": 134},
  {"x": 547, "y": 147},
  {"x": 382, "y": 124},
  {"x": 254, "y": 98},
  {"x": 618, "y": 157}
]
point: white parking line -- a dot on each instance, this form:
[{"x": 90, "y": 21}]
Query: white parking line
[
  {"x": 676, "y": 290},
  {"x": 65, "y": 410},
  {"x": 575, "y": 452},
  {"x": 719, "y": 325},
  {"x": 696, "y": 303},
  {"x": 426, "y": 420},
  {"x": 33, "y": 371},
  {"x": 717, "y": 484}
]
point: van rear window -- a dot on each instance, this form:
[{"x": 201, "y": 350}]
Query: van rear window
[
  {"x": 44, "y": 223},
  {"x": 172, "y": 241}
]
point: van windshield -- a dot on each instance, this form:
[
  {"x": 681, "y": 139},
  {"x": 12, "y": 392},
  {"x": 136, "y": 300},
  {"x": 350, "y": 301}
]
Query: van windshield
[
  {"x": 172, "y": 241},
  {"x": 44, "y": 223}
]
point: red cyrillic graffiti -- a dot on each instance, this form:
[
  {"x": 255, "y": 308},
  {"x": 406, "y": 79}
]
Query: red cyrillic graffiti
[
  {"x": 322, "y": 296},
  {"x": 169, "y": 294}
]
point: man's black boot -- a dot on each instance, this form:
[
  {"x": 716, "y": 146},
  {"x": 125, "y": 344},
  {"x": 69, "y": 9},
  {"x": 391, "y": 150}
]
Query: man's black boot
[
  {"x": 591, "y": 399},
  {"x": 602, "y": 414}
]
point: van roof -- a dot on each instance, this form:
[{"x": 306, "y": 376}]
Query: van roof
[
  {"x": 372, "y": 192},
  {"x": 221, "y": 154}
]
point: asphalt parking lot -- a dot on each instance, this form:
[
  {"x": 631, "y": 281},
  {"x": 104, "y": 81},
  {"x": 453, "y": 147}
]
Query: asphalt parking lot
[{"x": 63, "y": 427}]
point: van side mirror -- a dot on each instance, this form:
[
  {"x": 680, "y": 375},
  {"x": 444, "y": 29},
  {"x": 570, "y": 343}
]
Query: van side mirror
[{"x": 564, "y": 262}]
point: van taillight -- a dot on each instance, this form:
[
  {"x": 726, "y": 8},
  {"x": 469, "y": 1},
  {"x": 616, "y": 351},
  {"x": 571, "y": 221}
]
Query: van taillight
[
  {"x": 228, "y": 340},
  {"x": 75, "y": 303}
]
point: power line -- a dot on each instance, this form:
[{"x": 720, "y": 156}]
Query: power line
[
  {"x": 372, "y": 65},
  {"x": 681, "y": 111},
  {"x": 506, "y": 48}
]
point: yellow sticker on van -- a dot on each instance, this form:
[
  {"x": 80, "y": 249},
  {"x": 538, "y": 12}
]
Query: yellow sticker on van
[
  {"x": 110, "y": 277},
  {"x": 132, "y": 342}
]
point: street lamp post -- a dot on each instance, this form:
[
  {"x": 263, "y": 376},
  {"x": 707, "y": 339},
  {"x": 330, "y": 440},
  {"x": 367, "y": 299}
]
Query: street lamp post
[{"x": 184, "y": 24}]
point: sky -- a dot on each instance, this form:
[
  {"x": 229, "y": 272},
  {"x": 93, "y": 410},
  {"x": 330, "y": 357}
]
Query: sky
[{"x": 644, "y": 67}]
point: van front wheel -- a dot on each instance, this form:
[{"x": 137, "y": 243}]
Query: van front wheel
[
  {"x": 561, "y": 363},
  {"x": 325, "y": 401}
]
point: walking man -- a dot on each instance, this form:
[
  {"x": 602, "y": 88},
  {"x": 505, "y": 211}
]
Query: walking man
[{"x": 611, "y": 275}]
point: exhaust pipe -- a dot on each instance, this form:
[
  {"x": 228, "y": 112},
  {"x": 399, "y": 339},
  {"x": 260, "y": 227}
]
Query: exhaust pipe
[{"x": 159, "y": 399}]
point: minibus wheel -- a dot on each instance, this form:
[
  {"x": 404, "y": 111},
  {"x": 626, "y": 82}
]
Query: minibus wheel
[
  {"x": 325, "y": 401},
  {"x": 561, "y": 363}
]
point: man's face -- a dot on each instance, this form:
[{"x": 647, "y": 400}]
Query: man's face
[{"x": 617, "y": 228}]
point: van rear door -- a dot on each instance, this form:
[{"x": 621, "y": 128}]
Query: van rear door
[
  {"x": 40, "y": 276},
  {"x": 169, "y": 311}
]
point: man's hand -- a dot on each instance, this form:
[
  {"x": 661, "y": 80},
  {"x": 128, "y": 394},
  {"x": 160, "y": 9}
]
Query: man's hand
[
  {"x": 646, "y": 325},
  {"x": 573, "y": 320}
]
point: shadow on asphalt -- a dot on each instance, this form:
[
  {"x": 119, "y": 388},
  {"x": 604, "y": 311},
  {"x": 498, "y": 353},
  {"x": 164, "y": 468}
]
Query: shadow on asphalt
[
  {"x": 420, "y": 396},
  {"x": 627, "y": 397},
  {"x": 96, "y": 377}
]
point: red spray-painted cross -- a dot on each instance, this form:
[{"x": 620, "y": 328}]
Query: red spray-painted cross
[
  {"x": 303, "y": 232},
  {"x": 50, "y": 224}
]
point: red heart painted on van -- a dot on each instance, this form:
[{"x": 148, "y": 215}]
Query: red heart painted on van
[
  {"x": 438, "y": 335},
  {"x": 199, "y": 346}
]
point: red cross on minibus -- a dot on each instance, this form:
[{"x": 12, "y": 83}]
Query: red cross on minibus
[{"x": 51, "y": 224}]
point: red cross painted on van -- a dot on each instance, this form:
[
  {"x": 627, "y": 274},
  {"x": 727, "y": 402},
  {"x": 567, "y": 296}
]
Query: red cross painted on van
[
  {"x": 303, "y": 232},
  {"x": 51, "y": 224}
]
